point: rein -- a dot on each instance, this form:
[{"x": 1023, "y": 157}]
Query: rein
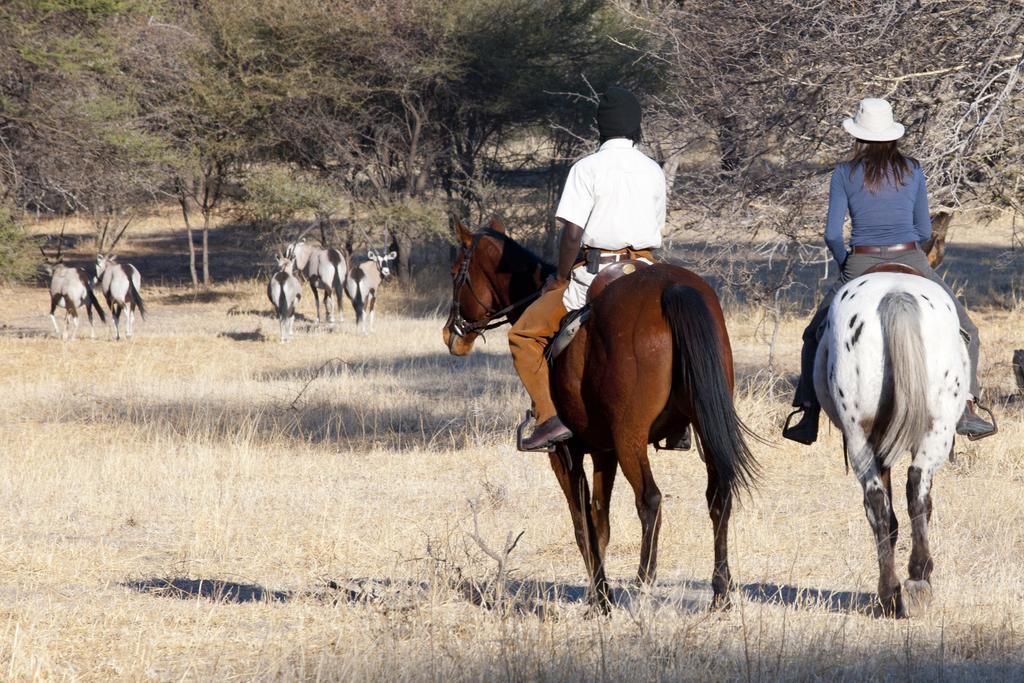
[{"x": 459, "y": 326}]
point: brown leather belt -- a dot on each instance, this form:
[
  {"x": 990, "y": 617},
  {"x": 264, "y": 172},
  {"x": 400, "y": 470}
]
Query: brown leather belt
[
  {"x": 868, "y": 249},
  {"x": 625, "y": 254}
]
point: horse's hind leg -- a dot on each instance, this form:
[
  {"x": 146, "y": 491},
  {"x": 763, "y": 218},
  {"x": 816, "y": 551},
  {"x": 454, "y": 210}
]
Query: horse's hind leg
[
  {"x": 878, "y": 506},
  {"x": 567, "y": 464},
  {"x": 894, "y": 525},
  {"x": 632, "y": 455},
  {"x": 929, "y": 456},
  {"x": 605, "y": 467},
  {"x": 720, "y": 510}
]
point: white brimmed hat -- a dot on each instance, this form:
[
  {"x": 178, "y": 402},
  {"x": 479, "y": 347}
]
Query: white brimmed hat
[{"x": 874, "y": 122}]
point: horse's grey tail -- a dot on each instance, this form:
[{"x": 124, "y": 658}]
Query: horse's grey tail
[
  {"x": 905, "y": 402},
  {"x": 133, "y": 294}
]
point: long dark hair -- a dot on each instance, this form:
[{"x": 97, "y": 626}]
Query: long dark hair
[{"x": 881, "y": 160}]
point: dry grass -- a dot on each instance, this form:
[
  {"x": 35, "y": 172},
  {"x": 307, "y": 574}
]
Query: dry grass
[{"x": 171, "y": 509}]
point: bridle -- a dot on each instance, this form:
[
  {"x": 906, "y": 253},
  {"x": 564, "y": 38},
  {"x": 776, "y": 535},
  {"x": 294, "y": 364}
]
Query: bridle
[{"x": 459, "y": 326}]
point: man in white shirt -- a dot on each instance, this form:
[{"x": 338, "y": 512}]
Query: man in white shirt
[{"x": 613, "y": 205}]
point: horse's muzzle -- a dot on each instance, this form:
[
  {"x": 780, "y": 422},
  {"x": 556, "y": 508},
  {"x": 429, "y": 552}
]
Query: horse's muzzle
[{"x": 457, "y": 344}]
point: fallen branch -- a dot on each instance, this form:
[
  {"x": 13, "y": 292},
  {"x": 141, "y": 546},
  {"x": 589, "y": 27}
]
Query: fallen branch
[{"x": 295, "y": 401}]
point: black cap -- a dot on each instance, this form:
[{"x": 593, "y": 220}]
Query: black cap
[{"x": 618, "y": 114}]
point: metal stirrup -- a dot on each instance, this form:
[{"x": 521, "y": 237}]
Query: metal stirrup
[
  {"x": 995, "y": 425},
  {"x": 789, "y": 418},
  {"x": 520, "y": 436}
]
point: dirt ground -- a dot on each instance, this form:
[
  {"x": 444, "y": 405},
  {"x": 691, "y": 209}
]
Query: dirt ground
[{"x": 205, "y": 503}]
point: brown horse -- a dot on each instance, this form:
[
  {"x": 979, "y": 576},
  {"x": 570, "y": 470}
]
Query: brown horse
[{"x": 653, "y": 357}]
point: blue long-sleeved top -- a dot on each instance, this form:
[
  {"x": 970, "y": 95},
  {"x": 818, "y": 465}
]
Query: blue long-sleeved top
[{"x": 893, "y": 215}]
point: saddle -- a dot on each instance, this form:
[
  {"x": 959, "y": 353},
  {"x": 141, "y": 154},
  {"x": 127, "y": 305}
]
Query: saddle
[
  {"x": 906, "y": 270},
  {"x": 880, "y": 268},
  {"x": 574, "y": 320},
  {"x": 893, "y": 268}
]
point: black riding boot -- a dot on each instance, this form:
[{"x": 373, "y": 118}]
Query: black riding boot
[
  {"x": 974, "y": 426},
  {"x": 806, "y": 430},
  {"x": 806, "y": 401},
  {"x": 680, "y": 441}
]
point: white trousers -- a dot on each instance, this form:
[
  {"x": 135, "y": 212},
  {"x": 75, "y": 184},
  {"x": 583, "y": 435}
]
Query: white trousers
[{"x": 575, "y": 296}]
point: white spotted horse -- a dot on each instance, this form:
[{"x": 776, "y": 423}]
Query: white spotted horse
[{"x": 889, "y": 394}]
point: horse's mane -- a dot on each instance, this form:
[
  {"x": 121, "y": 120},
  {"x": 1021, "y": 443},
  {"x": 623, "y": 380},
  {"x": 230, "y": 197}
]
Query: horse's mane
[{"x": 515, "y": 258}]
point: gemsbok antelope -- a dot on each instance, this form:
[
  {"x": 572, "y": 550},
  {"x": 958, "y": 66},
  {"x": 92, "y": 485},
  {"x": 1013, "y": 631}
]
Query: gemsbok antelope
[
  {"x": 70, "y": 288},
  {"x": 362, "y": 283},
  {"x": 120, "y": 284},
  {"x": 284, "y": 292},
  {"x": 324, "y": 269}
]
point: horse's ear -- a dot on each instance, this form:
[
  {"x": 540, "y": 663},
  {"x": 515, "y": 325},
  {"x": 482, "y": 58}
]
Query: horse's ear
[
  {"x": 498, "y": 225},
  {"x": 462, "y": 232}
]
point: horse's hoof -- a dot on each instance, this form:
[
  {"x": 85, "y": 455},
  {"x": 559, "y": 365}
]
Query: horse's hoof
[
  {"x": 919, "y": 597},
  {"x": 721, "y": 602},
  {"x": 598, "y": 609},
  {"x": 892, "y": 607}
]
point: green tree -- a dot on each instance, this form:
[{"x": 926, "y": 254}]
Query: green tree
[{"x": 17, "y": 254}]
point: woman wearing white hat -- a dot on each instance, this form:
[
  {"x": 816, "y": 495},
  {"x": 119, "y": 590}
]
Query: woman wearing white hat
[{"x": 885, "y": 194}]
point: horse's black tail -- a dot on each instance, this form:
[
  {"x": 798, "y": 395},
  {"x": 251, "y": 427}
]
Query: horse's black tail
[
  {"x": 136, "y": 298},
  {"x": 94, "y": 303},
  {"x": 699, "y": 368}
]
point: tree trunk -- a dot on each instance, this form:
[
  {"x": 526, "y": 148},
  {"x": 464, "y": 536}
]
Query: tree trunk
[
  {"x": 191, "y": 245},
  {"x": 322, "y": 221},
  {"x": 670, "y": 168},
  {"x": 556, "y": 176},
  {"x": 206, "y": 249},
  {"x": 729, "y": 144},
  {"x": 403, "y": 245},
  {"x": 422, "y": 181},
  {"x": 935, "y": 247},
  {"x": 1018, "y": 368}
]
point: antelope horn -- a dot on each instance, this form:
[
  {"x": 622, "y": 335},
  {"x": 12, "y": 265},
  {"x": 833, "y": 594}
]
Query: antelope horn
[
  {"x": 60, "y": 242},
  {"x": 102, "y": 241},
  {"x": 124, "y": 229}
]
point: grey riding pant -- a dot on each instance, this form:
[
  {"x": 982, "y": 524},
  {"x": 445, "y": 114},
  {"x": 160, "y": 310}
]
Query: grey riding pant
[{"x": 855, "y": 266}]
